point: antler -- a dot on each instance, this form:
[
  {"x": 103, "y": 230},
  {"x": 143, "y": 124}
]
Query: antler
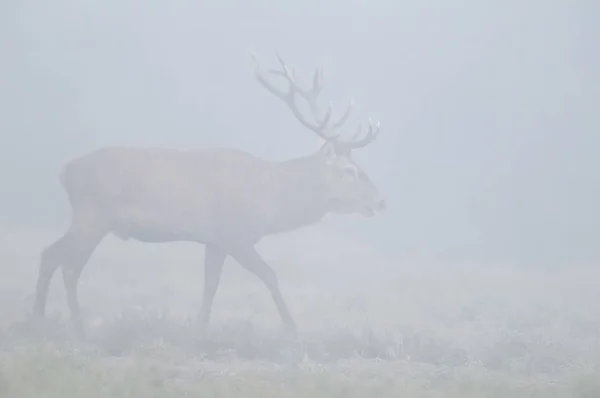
[
  {"x": 321, "y": 127},
  {"x": 355, "y": 143}
]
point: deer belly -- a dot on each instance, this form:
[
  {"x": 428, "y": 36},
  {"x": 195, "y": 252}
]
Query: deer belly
[{"x": 151, "y": 230}]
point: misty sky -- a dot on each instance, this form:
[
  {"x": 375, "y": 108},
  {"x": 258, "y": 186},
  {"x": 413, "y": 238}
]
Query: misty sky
[{"x": 489, "y": 137}]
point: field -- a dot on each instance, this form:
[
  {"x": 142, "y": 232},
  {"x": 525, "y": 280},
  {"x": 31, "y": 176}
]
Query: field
[{"x": 369, "y": 326}]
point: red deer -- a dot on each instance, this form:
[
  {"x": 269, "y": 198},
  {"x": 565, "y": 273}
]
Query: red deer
[{"x": 223, "y": 198}]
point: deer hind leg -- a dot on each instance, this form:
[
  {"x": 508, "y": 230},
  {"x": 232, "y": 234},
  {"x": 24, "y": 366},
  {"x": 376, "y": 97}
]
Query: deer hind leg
[
  {"x": 249, "y": 258},
  {"x": 72, "y": 267},
  {"x": 72, "y": 251},
  {"x": 51, "y": 259},
  {"x": 214, "y": 259}
]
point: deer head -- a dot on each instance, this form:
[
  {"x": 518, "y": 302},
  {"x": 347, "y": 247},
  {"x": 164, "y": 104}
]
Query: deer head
[{"x": 348, "y": 188}]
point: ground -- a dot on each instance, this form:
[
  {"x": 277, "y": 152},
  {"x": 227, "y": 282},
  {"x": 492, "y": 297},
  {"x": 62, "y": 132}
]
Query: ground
[{"x": 369, "y": 325}]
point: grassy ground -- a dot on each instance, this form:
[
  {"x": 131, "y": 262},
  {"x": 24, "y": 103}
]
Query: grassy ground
[
  {"x": 369, "y": 326},
  {"x": 51, "y": 373}
]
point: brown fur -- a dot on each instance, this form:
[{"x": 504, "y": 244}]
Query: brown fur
[{"x": 226, "y": 199}]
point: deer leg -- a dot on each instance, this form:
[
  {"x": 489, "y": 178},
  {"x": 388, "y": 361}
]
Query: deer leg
[
  {"x": 214, "y": 259},
  {"x": 51, "y": 259},
  {"x": 72, "y": 251},
  {"x": 72, "y": 266},
  {"x": 249, "y": 258},
  {"x": 68, "y": 249}
]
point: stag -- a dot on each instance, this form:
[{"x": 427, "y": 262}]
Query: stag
[{"x": 223, "y": 198}]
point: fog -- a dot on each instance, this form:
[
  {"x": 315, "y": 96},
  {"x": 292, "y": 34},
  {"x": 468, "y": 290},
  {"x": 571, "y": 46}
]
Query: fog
[
  {"x": 487, "y": 160},
  {"x": 489, "y": 135}
]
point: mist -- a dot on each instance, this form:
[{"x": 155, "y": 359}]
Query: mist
[
  {"x": 487, "y": 150},
  {"x": 487, "y": 155}
]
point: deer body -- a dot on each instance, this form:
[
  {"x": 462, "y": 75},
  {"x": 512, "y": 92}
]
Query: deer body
[
  {"x": 224, "y": 198},
  {"x": 165, "y": 195}
]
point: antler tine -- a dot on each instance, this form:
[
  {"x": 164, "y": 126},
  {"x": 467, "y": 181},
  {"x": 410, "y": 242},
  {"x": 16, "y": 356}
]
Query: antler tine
[
  {"x": 291, "y": 77},
  {"x": 371, "y": 135},
  {"x": 311, "y": 97},
  {"x": 321, "y": 127},
  {"x": 259, "y": 73},
  {"x": 287, "y": 73},
  {"x": 317, "y": 79}
]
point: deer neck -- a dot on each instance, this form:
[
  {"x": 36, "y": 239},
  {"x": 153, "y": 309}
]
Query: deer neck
[{"x": 302, "y": 195}]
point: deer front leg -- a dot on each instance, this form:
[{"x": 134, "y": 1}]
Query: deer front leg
[
  {"x": 249, "y": 258},
  {"x": 214, "y": 259}
]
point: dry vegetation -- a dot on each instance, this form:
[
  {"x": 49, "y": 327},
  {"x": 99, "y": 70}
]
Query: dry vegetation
[{"x": 369, "y": 327}]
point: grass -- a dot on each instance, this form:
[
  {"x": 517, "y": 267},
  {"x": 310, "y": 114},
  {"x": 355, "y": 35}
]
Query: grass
[
  {"x": 369, "y": 328},
  {"x": 55, "y": 373}
]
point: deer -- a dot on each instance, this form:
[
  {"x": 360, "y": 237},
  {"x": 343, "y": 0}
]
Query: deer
[{"x": 223, "y": 198}]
